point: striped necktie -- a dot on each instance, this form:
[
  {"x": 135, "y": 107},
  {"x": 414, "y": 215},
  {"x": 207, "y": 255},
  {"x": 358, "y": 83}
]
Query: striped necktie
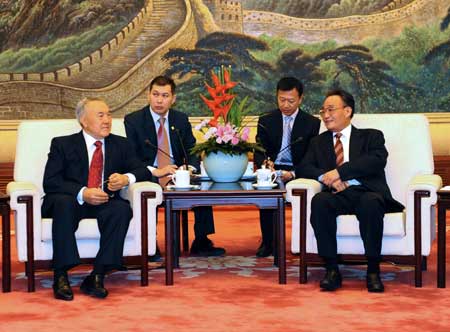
[
  {"x": 339, "y": 150},
  {"x": 285, "y": 156}
]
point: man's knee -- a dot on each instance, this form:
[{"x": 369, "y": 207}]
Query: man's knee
[
  {"x": 320, "y": 201},
  {"x": 370, "y": 201}
]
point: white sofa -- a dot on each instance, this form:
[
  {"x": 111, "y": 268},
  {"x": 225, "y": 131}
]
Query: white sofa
[
  {"x": 34, "y": 245},
  {"x": 407, "y": 236}
]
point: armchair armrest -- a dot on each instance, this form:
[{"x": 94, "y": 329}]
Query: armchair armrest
[
  {"x": 428, "y": 182},
  {"x": 16, "y": 190},
  {"x": 312, "y": 186},
  {"x": 133, "y": 193}
]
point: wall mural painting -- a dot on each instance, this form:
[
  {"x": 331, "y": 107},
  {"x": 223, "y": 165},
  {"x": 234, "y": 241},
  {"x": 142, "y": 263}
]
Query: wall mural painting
[{"x": 393, "y": 55}]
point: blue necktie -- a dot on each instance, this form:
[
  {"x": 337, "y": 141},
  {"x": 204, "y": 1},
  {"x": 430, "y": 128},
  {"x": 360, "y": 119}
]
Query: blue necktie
[{"x": 285, "y": 156}]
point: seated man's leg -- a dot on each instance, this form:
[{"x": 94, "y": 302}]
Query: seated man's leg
[
  {"x": 266, "y": 223},
  {"x": 203, "y": 226},
  {"x": 66, "y": 214},
  {"x": 325, "y": 207},
  {"x": 113, "y": 220},
  {"x": 370, "y": 213}
]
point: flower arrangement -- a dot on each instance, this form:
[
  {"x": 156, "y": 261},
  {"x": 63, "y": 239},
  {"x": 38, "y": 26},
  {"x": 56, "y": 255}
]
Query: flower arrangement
[{"x": 225, "y": 131}]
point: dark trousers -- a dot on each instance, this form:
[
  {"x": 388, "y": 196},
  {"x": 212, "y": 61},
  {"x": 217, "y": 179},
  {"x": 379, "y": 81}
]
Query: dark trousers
[
  {"x": 369, "y": 208},
  {"x": 267, "y": 217},
  {"x": 113, "y": 219},
  {"x": 204, "y": 221}
]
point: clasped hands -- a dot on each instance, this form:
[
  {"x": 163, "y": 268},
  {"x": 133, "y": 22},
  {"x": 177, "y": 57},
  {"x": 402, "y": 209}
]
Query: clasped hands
[
  {"x": 332, "y": 179},
  {"x": 96, "y": 196}
]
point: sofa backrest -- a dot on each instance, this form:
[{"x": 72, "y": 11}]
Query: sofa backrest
[
  {"x": 408, "y": 142},
  {"x": 33, "y": 145}
]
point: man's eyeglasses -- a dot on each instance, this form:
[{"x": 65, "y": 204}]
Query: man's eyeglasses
[{"x": 330, "y": 110}]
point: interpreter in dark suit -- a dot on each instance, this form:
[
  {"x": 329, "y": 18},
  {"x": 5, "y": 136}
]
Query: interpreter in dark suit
[
  {"x": 74, "y": 184},
  {"x": 165, "y": 148},
  {"x": 285, "y": 134},
  {"x": 350, "y": 164}
]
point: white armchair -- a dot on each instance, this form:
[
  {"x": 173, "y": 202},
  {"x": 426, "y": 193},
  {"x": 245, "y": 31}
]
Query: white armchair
[
  {"x": 34, "y": 233},
  {"x": 407, "y": 235}
]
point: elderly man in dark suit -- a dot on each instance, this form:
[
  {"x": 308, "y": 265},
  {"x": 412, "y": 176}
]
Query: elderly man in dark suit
[
  {"x": 76, "y": 173},
  {"x": 350, "y": 163},
  {"x": 162, "y": 138},
  {"x": 285, "y": 134}
]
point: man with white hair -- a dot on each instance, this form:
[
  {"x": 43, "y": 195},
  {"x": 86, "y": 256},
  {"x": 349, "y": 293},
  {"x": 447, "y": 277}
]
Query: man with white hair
[{"x": 83, "y": 175}]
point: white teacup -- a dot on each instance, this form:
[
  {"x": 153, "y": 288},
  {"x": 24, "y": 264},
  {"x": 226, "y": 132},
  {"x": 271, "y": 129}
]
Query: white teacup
[
  {"x": 181, "y": 178},
  {"x": 265, "y": 177}
]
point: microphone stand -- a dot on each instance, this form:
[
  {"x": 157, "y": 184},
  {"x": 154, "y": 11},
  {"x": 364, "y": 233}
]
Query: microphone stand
[
  {"x": 147, "y": 142},
  {"x": 182, "y": 147}
]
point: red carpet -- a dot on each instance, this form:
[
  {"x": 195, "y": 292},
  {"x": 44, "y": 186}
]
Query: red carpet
[{"x": 234, "y": 293}]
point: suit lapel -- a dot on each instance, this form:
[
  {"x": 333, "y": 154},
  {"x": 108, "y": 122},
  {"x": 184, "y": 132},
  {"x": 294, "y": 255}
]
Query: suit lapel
[
  {"x": 174, "y": 139},
  {"x": 355, "y": 143},
  {"x": 108, "y": 158},
  {"x": 278, "y": 123},
  {"x": 297, "y": 127},
  {"x": 81, "y": 151},
  {"x": 149, "y": 126},
  {"x": 329, "y": 155}
]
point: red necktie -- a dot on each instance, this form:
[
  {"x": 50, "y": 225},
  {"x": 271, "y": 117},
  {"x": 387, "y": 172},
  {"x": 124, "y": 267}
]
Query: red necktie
[
  {"x": 96, "y": 168},
  {"x": 163, "y": 145},
  {"x": 339, "y": 150}
]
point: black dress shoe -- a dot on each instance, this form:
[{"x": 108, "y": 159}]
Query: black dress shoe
[
  {"x": 331, "y": 281},
  {"x": 264, "y": 251},
  {"x": 374, "y": 283},
  {"x": 205, "y": 248},
  {"x": 156, "y": 258},
  {"x": 62, "y": 289},
  {"x": 93, "y": 285}
]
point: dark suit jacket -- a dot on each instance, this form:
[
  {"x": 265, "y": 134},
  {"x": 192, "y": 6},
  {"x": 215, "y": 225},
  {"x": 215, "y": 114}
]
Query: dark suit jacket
[
  {"x": 367, "y": 159},
  {"x": 141, "y": 132},
  {"x": 270, "y": 135},
  {"x": 67, "y": 168}
]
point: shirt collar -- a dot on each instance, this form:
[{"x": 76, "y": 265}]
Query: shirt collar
[
  {"x": 293, "y": 115},
  {"x": 156, "y": 116},
  {"x": 346, "y": 132},
  {"x": 91, "y": 140}
]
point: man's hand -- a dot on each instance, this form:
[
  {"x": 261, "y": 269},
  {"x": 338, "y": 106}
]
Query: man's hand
[
  {"x": 160, "y": 172},
  {"x": 269, "y": 164},
  {"x": 330, "y": 177},
  {"x": 286, "y": 176},
  {"x": 95, "y": 196},
  {"x": 117, "y": 181},
  {"x": 339, "y": 186}
]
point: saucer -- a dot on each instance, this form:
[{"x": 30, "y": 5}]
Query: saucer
[
  {"x": 174, "y": 187},
  {"x": 269, "y": 186}
]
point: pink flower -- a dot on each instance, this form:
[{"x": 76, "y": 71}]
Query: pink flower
[
  {"x": 235, "y": 140},
  {"x": 245, "y": 134}
]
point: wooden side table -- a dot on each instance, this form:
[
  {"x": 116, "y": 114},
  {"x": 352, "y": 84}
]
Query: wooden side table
[
  {"x": 443, "y": 206},
  {"x": 6, "y": 243}
]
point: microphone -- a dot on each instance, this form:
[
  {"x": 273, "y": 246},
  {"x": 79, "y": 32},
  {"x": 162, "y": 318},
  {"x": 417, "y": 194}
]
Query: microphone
[
  {"x": 147, "y": 142},
  {"x": 185, "y": 161},
  {"x": 299, "y": 139}
]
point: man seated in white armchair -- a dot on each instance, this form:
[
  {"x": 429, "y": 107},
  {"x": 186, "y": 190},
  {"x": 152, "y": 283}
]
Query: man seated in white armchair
[
  {"x": 350, "y": 163},
  {"x": 83, "y": 175}
]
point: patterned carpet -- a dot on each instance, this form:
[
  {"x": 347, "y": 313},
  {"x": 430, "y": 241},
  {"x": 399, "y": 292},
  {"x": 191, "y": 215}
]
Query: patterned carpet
[{"x": 238, "y": 292}]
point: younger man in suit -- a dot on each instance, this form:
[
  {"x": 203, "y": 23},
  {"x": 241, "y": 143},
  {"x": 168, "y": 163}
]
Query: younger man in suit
[
  {"x": 285, "y": 134},
  {"x": 162, "y": 138},
  {"x": 77, "y": 169},
  {"x": 350, "y": 164}
]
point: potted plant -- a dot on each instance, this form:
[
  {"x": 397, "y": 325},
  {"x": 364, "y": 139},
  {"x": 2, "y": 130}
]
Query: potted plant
[{"x": 226, "y": 139}]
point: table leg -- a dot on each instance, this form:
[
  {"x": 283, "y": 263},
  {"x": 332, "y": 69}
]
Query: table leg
[
  {"x": 441, "y": 245},
  {"x": 281, "y": 243},
  {"x": 169, "y": 242},
  {"x": 6, "y": 244}
]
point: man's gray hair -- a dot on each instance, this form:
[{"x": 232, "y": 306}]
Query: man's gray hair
[{"x": 81, "y": 106}]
